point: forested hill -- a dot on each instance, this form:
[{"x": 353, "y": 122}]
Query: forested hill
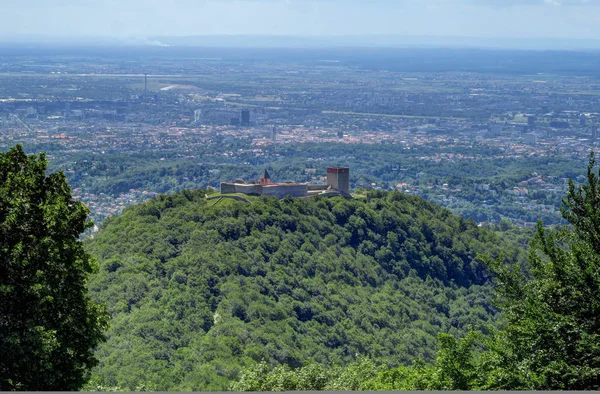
[{"x": 199, "y": 289}]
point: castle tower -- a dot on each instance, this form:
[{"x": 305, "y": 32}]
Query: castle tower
[
  {"x": 339, "y": 178},
  {"x": 265, "y": 178}
]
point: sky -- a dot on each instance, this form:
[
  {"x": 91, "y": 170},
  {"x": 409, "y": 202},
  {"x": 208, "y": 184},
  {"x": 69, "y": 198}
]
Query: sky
[{"x": 567, "y": 19}]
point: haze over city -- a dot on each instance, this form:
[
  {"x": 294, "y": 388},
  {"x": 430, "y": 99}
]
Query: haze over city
[{"x": 410, "y": 22}]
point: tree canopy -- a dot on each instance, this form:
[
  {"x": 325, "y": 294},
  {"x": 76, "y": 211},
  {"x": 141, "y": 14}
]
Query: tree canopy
[
  {"x": 199, "y": 289},
  {"x": 48, "y": 325}
]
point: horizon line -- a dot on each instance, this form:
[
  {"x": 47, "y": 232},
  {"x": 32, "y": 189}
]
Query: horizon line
[{"x": 391, "y": 41}]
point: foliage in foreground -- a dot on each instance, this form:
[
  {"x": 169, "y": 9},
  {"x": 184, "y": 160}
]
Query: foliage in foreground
[
  {"x": 552, "y": 339},
  {"x": 453, "y": 369},
  {"x": 48, "y": 325}
]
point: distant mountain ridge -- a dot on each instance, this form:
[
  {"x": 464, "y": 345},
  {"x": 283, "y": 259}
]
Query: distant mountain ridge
[
  {"x": 316, "y": 41},
  {"x": 380, "y": 41}
]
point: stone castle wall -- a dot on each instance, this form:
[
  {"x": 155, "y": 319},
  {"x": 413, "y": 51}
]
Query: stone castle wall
[
  {"x": 252, "y": 188},
  {"x": 280, "y": 191},
  {"x": 227, "y": 187}
]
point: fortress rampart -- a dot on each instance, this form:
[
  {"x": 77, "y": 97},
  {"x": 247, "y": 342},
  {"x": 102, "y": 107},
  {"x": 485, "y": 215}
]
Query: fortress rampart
[{"x": 338, "y": 183}]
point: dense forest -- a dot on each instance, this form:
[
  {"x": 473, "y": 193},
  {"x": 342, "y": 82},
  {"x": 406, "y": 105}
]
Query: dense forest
[
  {"x": 201, "y": 291},
  {"x": 382, "y": 291}
]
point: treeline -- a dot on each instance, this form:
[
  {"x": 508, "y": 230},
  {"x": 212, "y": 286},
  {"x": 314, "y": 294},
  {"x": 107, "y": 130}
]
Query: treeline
[{"x": 200, "y": 290}]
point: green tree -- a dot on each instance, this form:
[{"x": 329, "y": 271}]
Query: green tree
[
  {"x": 48, "y": 325},
  {"x": 581, "y": 208},
  {"x": 552, "y": 336}
]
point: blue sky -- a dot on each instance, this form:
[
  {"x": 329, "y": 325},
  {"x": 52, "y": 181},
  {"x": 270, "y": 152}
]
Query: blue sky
[{"x": 141, "y": 18}]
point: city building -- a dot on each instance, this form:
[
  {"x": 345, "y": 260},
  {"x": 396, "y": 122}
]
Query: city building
[
  {"x": 495, "y": 129},
  {"x": 245, "y": 121},
  {"x": 338, "y": 184},
  {"x": 559, "y": 124},
  {"x": 530, "y": 138}
]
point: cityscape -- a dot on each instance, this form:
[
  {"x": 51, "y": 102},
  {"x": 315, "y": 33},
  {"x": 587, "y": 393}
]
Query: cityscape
[
  {"x": 299, "y": 196},
  {"x": 389, "y": 196},
  {"x": 192, "y": 120}
]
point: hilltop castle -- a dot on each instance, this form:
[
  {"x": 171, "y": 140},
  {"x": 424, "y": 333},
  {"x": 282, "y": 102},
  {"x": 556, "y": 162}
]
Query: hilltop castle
[{"x": 338, "y": 184}]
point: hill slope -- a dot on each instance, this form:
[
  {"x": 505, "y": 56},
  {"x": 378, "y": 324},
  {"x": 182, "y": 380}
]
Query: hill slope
[{"x": 198, "y": 290}]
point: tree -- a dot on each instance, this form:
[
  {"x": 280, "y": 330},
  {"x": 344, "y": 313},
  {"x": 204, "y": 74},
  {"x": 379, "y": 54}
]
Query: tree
[
  {"x": 48, "y": 325},
  {"x": 552, "y": 337},
  {"x": 581, "y": 208}
]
